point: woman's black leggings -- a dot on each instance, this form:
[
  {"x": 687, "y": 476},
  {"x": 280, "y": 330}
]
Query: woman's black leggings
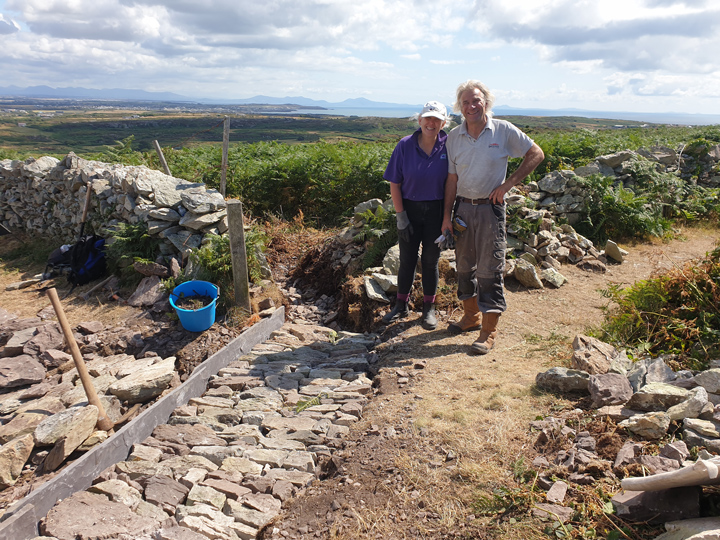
[{"x": 426, "y": 219}]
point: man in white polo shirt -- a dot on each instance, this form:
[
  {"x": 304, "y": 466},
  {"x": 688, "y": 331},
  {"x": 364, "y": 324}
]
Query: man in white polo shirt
[{"x": 478, "y": 152}]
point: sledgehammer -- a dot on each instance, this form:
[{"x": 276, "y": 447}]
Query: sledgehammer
[{"x": 103, "y": 421}]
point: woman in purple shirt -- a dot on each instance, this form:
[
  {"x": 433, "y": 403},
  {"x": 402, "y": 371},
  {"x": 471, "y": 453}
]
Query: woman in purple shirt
[{"x": 417, "y": 172}]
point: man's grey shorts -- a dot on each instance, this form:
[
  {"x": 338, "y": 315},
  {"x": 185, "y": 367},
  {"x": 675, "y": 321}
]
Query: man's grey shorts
[{"x": 480, "y": 254}]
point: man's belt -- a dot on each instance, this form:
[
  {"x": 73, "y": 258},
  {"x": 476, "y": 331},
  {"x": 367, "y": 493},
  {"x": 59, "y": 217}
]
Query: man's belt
[{"x": 474, "y": 201}]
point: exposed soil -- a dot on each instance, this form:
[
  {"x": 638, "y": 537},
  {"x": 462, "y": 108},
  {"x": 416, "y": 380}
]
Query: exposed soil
[
  {"x": 446, "y": 433},
  {"x": 194, "y": 303}
]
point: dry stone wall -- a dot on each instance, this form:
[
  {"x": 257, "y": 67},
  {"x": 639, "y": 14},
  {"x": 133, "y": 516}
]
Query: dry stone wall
[
  {"x": 561, "y": 194},
  {"x": 45, "y": 196}
]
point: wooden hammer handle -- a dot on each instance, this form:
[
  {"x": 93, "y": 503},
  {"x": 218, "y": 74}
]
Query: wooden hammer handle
[
  {"x": 103, "y": 421},
  {"x": 88, "y": 194}
]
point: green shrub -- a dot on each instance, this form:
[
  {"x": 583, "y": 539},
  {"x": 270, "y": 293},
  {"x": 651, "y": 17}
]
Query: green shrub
[
  {"x": 675, "y": 313},
  {"x": 616, "y": 212},
  {"x": 128, "y": 243},
  {"x": 379, "y": 232},
  {"x": 213, "y": 262}
]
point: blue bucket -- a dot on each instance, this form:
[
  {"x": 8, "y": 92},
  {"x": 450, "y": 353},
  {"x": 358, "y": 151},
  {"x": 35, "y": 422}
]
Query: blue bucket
[{"x": 201, "y": 319}]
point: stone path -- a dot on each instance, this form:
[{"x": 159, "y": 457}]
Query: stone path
[{"x": 224, "y": 463}]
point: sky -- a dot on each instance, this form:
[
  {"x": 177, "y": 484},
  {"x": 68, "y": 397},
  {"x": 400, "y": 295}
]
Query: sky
[{"x": 605, "y": 55}]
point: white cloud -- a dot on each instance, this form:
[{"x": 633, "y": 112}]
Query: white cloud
[
  {"x": 8, "y": 26},
  {"x": 389, "y": 50},
  {"x": 618, "y": 34}
]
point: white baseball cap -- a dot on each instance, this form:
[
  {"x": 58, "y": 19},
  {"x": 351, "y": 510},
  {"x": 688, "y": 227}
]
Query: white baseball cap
[{"x": 434, "y": 108}]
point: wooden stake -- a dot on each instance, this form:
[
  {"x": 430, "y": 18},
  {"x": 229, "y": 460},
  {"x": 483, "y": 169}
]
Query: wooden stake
[
  {"x": 224, "y": 164},
  {"x": 238, "y": 254},
  {"x": 103, "y": 421},
  {"x": 161, "y": 156},
  {"x": 86, "y": 207}
]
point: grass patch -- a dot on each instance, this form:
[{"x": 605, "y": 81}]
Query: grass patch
[
  {"x": 556, "y": 347},
  {"x": 20, "y": 251}
]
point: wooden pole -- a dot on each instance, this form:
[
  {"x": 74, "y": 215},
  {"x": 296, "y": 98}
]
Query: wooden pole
[
  {"x": 238, "y": 254},
  {"x": 226, "y": 144},
  {"x": 162, "y": 158},
  {"x": 86, "y": 208},
  {"x": 103, "y": 421}
]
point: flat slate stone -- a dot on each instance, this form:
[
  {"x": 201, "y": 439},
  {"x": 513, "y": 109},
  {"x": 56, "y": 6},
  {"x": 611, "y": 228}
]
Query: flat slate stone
[
  {"x": 20, "y": 370},
  {"x": 145, "y": 384},
  {"x": 163, "y": 490},
  {"x": 89, "y": 515},
  {"x": 13, "y": 456},
  {"x": 118, "y": 491},
  {"x": 60, "y": 424},
  {"x": 197, "y": 435},
  {"x": 231, "y": 490},
  {"x": 178, "y": 533},
  {"x": 17, "y": 341},
  {"x": 28, "y": 417}
]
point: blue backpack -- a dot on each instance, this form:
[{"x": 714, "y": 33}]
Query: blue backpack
[{"x": 87, "y": 260}]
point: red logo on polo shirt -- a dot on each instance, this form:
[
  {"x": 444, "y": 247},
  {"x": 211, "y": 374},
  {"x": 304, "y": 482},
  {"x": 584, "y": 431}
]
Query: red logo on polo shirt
[{"x": 494, "y": 145}]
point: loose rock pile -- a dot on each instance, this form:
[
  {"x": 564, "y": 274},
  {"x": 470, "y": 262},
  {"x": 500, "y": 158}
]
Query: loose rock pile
[
  {"x": 41, "y": 395},
  {"x": 43, "y": 404},
  {"x": 644, "y": 398}
]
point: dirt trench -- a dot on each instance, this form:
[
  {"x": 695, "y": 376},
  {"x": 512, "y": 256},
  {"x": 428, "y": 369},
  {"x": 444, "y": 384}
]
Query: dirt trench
[{"x": 442, "y": 446}]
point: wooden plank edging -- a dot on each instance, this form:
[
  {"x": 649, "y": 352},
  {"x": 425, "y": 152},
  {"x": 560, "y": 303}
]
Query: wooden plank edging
[{"x": 21, "y": 520}]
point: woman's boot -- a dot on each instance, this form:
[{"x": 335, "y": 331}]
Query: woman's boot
[
  {"x": 428, "y": 319},
  {"x": 400, "y": 311}
]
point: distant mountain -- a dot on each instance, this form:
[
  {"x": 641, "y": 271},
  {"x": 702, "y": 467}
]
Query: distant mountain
[
  {"x": 356, "y": 103},
  {"x": 353, "y": 103},
  {"x": 89, "y": 93},
  {"x": 142, "y": 95}
]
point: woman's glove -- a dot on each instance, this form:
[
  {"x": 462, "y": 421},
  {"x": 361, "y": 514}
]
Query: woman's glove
[{"x": 404, "y": 227}]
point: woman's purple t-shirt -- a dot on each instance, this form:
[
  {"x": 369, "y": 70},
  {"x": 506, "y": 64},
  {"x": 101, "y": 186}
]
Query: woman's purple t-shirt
[{"x": 421, "y": 177}]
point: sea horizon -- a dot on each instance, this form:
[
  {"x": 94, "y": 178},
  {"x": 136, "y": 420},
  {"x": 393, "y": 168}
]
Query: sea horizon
[{"x": 672, "y": 118}]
